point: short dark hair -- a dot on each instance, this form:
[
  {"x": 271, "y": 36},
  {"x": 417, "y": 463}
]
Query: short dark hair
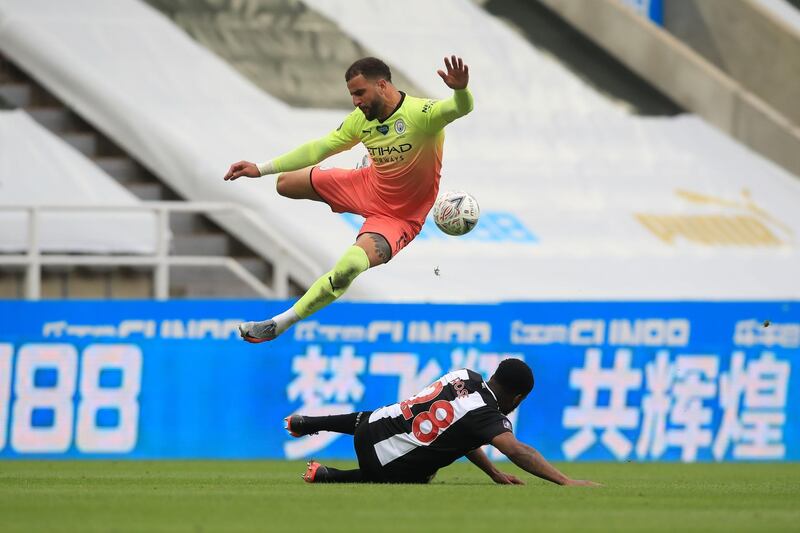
[
  {"x": 515, "y": 376},
  {"x": 370, "y": 67}
]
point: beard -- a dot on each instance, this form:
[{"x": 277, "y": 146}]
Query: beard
[{"x": 371, "y": 111}]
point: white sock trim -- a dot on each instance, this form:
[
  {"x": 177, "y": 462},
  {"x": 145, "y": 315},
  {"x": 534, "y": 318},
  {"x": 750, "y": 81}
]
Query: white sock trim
[{"x": 285, "y": 320}]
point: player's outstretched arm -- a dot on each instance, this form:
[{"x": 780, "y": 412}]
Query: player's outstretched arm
[
  {"x": 482, "y": 461},
  {"x": 305, "y": 155},
  {"x": 342, "y": 138},
  {"x": 530, "y": 460}
]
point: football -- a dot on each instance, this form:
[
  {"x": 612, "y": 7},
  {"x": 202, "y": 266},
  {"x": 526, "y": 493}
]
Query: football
[{"x": 456, "y": 212}]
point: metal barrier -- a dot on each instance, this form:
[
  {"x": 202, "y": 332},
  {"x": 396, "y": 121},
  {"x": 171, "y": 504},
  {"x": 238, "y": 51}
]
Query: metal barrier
[{"x": 280, "y": 254}]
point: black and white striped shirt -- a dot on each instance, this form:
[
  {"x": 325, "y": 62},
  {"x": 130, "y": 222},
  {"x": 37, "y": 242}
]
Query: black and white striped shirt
[{"x": 451, "y": 417}]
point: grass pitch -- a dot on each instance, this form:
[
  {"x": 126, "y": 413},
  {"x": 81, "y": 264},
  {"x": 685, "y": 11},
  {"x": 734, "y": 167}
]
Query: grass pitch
[{"x": 199, "y": 496}]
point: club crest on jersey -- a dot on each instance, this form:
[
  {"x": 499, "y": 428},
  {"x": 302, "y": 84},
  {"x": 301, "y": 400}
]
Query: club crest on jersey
[
  {"x": 383, "y": 128},
  {"x": 399, "y": 126}
]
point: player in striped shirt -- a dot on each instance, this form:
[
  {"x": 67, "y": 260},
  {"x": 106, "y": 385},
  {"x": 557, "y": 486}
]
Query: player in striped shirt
[
  {"x": 404, "y": 137},
  {"x": 408, "y": 442}
]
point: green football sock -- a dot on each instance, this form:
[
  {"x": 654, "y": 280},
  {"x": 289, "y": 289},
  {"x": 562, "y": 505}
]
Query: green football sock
[{"x": 333, "y": 284}]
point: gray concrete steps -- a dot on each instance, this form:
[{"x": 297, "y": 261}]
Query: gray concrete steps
[
  {"x": 11, "y": 283},
  {"x": 255, "y": 266},
  {"x": 55, "y": 119},
  {"x": 15, "y": 93},
  {"x": 284, "y": 47},
  {"x": 691, "y": 80},
  {"x": 188, "y": 223},
  {"x": 83, "y": 141},
  {"x": 193, "y": 234},
  {"x": 8, "y": 72},
  {"x": 747, "y": 41},
  {"x": 75, "y": 283},
  {"x": 201, "y": 244},
  {"x": 123, "y": 169},
  {"x": 146, "y": 190},
  {"x": 544, "y": 30},
  {"x": 200, "y": 282}
]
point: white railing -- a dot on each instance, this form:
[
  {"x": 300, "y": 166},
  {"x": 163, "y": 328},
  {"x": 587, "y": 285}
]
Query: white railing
[{"x": 278, "y": 252}]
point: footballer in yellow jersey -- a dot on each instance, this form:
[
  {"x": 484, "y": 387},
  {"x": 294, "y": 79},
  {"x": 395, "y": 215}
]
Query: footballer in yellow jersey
[{"x": 404, "y": 137}]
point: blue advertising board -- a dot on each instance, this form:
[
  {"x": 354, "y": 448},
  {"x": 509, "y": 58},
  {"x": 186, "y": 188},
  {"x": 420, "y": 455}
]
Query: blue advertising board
[{"x": 676, "y": 381}]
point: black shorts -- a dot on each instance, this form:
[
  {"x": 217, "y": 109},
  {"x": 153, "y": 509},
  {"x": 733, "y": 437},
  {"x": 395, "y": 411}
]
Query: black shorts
[{"x": 371, "y": 468}]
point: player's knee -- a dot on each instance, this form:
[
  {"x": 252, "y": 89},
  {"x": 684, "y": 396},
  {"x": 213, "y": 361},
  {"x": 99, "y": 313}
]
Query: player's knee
[
  {"x": 383, "y": 249},
  {"x": 282, "y": 184},
  {"x": 380, "y": 251}
]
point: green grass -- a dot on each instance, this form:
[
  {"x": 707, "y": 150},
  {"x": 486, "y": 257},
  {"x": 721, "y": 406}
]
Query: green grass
[{"x": 196, "y": 496}]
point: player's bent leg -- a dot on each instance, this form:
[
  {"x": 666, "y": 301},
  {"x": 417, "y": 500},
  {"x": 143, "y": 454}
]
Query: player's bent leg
[
  {"x": 301, "y": 425},
  {"x": 319, "y": 473},
  {"x": 321, "y": 293},
  {"x": 371, "y": 469},
  {"x": 297, "y": 185},
  {"x": 333, "y": 284}
]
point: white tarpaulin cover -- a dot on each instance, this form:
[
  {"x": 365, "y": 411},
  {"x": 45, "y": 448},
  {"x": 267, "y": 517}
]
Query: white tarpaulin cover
[
  {"x": 784, "y": 11},
  {"x": 37, "y": 167},
  {"x": 580, "y": 199}
]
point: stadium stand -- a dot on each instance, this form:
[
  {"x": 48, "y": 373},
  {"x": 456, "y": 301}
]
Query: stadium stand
[
  {"x": 756, "y": 43},
  {"x": 550, "y": 35},
  {"x": 191, "y": 234},
  {"x": 200, "y": 110},
  {"x": 693, "y": 81},
  {"x": 581, "y": 198},
  {"x": 37, "y": 167},
  {"x": 288, "y": 50}
]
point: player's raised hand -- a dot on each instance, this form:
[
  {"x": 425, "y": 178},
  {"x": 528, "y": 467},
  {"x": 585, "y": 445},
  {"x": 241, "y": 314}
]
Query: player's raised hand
[
  {"x": 457, "y": 75},
  {"x": 242, "y": 168}
]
